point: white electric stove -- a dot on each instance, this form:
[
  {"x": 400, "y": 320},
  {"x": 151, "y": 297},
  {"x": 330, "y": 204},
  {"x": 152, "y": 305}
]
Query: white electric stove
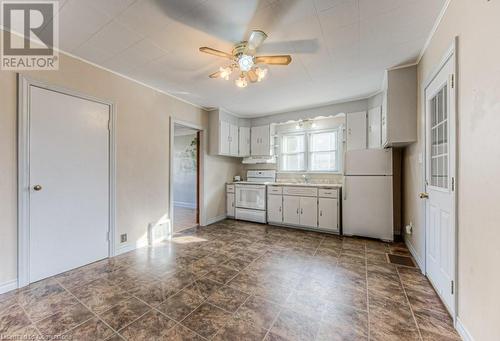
[{"x": 250, "y": 195}]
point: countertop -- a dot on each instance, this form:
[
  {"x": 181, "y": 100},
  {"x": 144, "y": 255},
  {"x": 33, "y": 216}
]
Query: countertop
[{"x": 296, "y": 184}]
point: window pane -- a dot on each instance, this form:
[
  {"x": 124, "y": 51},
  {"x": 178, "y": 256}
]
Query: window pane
[
  {"x": 293, "y": 144},
  {"x": 323, "y": 142},
  {"x": 323, "y": 161},
  {"x": 293, "y": 162}
]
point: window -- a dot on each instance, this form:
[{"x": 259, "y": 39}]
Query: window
[
  {"x": 310, "y": 152},
  {"x": 323, "y": 152},
  {"x": 293, "y": 152}
]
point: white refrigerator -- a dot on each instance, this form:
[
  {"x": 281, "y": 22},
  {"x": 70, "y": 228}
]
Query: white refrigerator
[{"x": 367, "y": 206}]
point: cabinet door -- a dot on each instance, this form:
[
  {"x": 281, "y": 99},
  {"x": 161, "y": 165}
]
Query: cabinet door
[
  {"x": 244, "y": 138},
  {"x": 261, "y": 140},
  {"x": 309, "y": 211},
  {"x": 224, "y": 132},
  {"x": 328, "y": 214},
  {"x": 291, "y": 210},
  {"x": 383, "y": 122},
  {"x": 356, "y": 131},
  {"x": 275, "y": 208},
  {"x": 233, "y": 139},
  {"x": 374, "y": 128},
  {"x": 230, "y": 204}
]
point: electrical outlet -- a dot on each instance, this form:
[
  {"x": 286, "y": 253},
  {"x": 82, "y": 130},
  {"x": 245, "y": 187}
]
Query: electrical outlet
[
  {"x": 409, "y": 228},
  {"x": 123, "y": 238}
]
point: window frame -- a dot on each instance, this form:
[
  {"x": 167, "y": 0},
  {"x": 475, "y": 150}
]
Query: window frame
[{"x": 308, "y": 133}]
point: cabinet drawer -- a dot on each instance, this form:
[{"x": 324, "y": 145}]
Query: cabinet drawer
[
  {"x": 328, "y": 193},
  {"x": 230, "y": 189},
  {"x": 302, "y": 191},
  {"x": 274, "y": 189}
]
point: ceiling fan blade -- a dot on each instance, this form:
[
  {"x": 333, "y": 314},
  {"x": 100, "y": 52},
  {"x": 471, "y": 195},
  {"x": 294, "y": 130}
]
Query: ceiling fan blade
[
  {"x": 215, "y": 75},
  {"x": 274, "y": 60},
  {"x": 215, "y": 52},
  {"x": 252, "y": 76},
  {"x": 257, "y": 37}
]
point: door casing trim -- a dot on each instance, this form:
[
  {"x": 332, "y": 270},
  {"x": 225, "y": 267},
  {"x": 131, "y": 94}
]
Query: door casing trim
[
  {"x": 23, "y": 167},
  {"x": 451, "y": 52}
]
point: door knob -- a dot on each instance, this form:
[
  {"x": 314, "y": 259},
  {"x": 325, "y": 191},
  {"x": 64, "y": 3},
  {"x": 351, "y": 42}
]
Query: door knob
[
  {"x": 37, "y": 188},
  {"x": 424, "y": 195}
]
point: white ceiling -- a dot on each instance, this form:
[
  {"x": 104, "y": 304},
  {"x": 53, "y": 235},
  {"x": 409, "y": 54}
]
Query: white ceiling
[{"x": 340, "y": 48}]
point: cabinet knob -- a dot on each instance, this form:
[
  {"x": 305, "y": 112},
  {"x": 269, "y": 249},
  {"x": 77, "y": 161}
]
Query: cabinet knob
[
  {"x": 321, "y": 213},
  {"x": 37, "y": 188}
]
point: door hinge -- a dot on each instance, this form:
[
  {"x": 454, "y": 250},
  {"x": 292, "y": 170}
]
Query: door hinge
[
  {"x": 109, "y": 125},
  {"x": 453, "y": 184},
  {"x": 107, "y": 236},
  {"x": 452, "y": 287},
  {"x": 452, "y": 81}
]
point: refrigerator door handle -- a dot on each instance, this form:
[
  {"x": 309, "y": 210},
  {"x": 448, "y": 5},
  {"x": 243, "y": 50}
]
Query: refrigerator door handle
[{"x": 344, "y": 189}]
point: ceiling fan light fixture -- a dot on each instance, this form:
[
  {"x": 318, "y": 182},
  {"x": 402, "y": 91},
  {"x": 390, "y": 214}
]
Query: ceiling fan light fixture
[
  {"x": 245, "y": 62},
  {"x": 225, "y": 72},
  {"x": 261, "y": 73},
  {"x": 241, "y": 82}
]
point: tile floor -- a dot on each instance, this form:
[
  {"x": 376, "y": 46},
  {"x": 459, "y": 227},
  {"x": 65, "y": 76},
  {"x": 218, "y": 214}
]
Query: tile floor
[{"x": 235, "y": 281}]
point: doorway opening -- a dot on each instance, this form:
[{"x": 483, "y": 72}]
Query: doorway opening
[{"x": 186, "y": 177}]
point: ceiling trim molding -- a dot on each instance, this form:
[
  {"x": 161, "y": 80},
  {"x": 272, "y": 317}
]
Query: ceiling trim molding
[
  {"x": 434, "y": 30},
  {"x": 113, "y": 72}
]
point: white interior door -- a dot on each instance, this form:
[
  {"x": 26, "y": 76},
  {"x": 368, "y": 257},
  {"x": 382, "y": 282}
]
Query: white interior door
[
  {"x": 69, "y": 182},
  {"x": 440, "y": 178}
]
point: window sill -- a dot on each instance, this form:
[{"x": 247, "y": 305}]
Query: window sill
[{"x": 309, "y": 172}]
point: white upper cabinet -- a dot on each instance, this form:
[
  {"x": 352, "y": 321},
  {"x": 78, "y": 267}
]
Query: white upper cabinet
[
  {"x": 224, "y": 137},
  {"x": 375, "y": 128},
  {"x": 356, "y": 130},
  {"x": 399, "y": 107},
  {"x": 260, "y": 141},
  {"x": 244, "y": 144},
  {"x": 223, "y": 134},
  {"x": 233, "y": 140}
]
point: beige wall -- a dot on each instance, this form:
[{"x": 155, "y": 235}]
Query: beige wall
[
  {"x": 142, "y": 152},
  {"x": 477, "y": 25}
]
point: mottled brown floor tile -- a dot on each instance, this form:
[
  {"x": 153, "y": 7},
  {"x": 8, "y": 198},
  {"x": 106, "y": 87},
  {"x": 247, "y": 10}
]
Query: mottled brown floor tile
[
  {"x": 273, "y": 292},
  {"x": 151, "y": 326},
  {"x": 182, "y": 304},
  {"x": 181, "y": 333},
  {"x": 258, "y": 311},
  {"x": 25, "y": 333},
  {"x": 228, "y": 298},
  {"x": 49, "y": 305},
  {"x": 222, "y": 274},
  {"x": 391, "y": 320},
  {"x": 158, "y": 292},
  {"x": 115, "y": 337},
  {"x": 351, "y": 296},
  {"x": 244, "y": 282},
  {"x": 238, "y": 329},
  {"x": 205, "y": 287},
  {"x": 100, "y": 295},
  {"x": 292, "y": 325},
  {"x": 63, "y": 321},
  {"x": 341, "y": 322},
  {"x": 425, "y": 300},
  {"x": 124, "y": 313},
  {"x": 206, "y": 320},
  {"x": 306, "y": 303},
  {"x": 436, "y": 326},
  {"x": 12, "y": 319},
  {"x": 93, "y": 329},
  {"x": 237, "y": 264}
]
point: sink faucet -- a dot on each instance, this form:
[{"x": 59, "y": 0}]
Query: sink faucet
[{"x": 305, "y": 178}]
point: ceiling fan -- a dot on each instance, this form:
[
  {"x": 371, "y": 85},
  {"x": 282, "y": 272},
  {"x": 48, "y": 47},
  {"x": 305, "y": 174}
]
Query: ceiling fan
[{"x": 244, "y": 60}]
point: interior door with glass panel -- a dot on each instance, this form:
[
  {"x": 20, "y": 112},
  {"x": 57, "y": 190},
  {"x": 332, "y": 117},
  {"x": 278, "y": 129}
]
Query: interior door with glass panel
[{"x": 440, "y": 183}]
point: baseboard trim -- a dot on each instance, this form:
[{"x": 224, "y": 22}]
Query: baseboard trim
[
  {"x": 185, "y": 204},
  {"x": 462, "y": 331},
  {"x": 127, "y": 247},
  {"x": 215, "y": 219},
  {"x": 8, "y": 286},
  {"x": 415, "y": 255}
]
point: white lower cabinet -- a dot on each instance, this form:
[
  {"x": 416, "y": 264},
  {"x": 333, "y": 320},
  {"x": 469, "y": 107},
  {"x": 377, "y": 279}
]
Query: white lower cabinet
[
  {"x": 230, "y": 204},
  {"x": 275, "y": 208},
  {"x": 308, "y": 211},
  {"x": 328, "y": 216},
  {"x": 291, "y": 210},
  {"x": 302, "y": 211}
]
